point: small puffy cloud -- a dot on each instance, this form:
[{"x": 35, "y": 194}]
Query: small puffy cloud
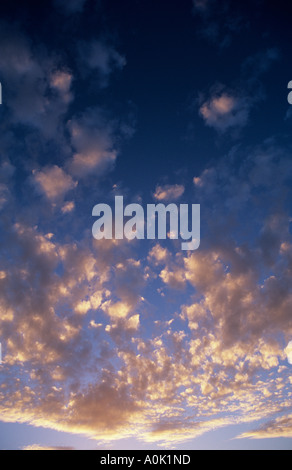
[
  {"x": 169, "y": 192},
  {"x": 197, "y": 181},
  {"x": 93, "y": 303},
  {"x": 61, "y": 81},
  {"x": 68, "y": 207},
  {"x": 228, "y": 109},
  {"x": 54, "y": 183},
  {"x": 116, "y": 310},
  {"x": 158, "y": 254},
  {"x": 173, "y": 272},
  {"x": 92, "y": 138},
  {"x": 206, "y": 179},
  {"x": 174, "y": 277},
  {"x": 37, "y": 90},
  {"x": 225, "y": 111},
  {"x": 134, "y": 322},
  {"x": 123, "y": 325}
]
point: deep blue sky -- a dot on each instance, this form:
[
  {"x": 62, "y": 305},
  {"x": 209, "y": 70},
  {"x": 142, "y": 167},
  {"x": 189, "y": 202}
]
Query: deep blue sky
[{"x": 168, "y": 64}]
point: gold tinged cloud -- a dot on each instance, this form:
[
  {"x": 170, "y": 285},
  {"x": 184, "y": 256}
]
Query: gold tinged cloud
[
  {"x": 218, "y": 106},
  {"x": 169, "y": 192},
  {"x": 279, "y": 427},
  {"x": 61, "y": 81},
  {"x": 288, "y": 351},
  {"x": 72, "y": 319},
  {"x": 93, "y": 144},
  {"x": 116, "y": 310},
  {"x": 68, "y": 207},
  {"x": 158, "y": 254},
  {"x": 53, "y": 182},
  {"x": 94, "y": 303},
  {"x": 175, "y": 279},
  {"x": 133, "y": 322},
  {"x": 44, "y": 447},
  {"x": 225, "y": 110}
]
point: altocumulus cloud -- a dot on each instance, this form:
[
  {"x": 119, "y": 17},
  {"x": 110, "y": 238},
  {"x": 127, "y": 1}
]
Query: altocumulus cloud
[{"x": 165, "y": 382}]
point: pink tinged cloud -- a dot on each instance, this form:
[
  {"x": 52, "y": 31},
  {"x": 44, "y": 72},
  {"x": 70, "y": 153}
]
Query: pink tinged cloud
[
  {"x": 92, "y": 139},
  {"x": 169, "y": 192},
  {"x": 61, "y": 81},
  {"x": 224, "y": 112},
  {"x": 54, "y": 183},
  {"x": 68, "y": 207},
  {"x": 288, "y": 352},
  {"x": 278, "y": 428}
]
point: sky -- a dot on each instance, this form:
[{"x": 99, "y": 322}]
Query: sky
[{"x": 138, "y": 344}]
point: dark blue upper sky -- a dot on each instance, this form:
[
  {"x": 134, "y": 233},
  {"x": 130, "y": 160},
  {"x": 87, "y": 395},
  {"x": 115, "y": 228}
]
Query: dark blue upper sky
[{"x": 171, "y": 58}]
